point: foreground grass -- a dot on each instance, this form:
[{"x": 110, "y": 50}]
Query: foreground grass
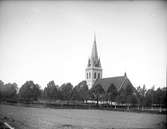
[{"x": 46, "y": 118}]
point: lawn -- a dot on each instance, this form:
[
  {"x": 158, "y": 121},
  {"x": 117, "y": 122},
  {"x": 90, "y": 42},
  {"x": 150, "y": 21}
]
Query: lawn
[{"x": 46, "y": 118}]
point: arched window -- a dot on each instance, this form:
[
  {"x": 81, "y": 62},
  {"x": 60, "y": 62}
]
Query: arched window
[
  {"x": 89, "y": 75},
  {"x": 95, "y": 75},
  {"x": 98, "y": 75}
]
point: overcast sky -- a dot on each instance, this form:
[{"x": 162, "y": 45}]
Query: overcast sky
[{"x": 44, "y": 41}]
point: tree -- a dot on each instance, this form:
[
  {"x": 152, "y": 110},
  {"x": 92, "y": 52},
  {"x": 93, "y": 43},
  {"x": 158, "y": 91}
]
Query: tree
[
  {"x": 164, "y": 96},
  {"x": 121, "y": 97},
  {"x": 11, "y": 90},
  {"x": 158, "y": 96},
  {"x": 29, "y": 91},
  {"x": 129, "y": 90},
  {"x": 8, "y": 91},
  {"x": 1, "y": 83},
  {"x": 127, "y": 95},
  {"x": 111, "y": 93},
  {"x": 131, "y": 99},
  {"x": 83, "y": 91},
  {"x": 51, "y": 91},
  {"x": 97, "y": 92},
  {"x": 1, "y": 86},
  {"x": 149, "y": 97},
  {"x": 76, "y": 95},
  {"x": 141, "y": 92},
  {"x": 66, "y": 91},
  {"x": 130, "y": 95}
]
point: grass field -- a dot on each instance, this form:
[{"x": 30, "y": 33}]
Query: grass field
[{"x": 46, "y": 118}]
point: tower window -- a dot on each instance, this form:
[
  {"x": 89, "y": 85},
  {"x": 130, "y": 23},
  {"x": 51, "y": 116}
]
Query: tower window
[
  {"x": 98, "y": 75},
  {"x": 89, "y": 75},
  {"x": 95, "y": 75}
]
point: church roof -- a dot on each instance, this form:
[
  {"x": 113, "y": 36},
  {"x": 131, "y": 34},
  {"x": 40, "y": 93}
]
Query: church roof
[{"x": 119, "y": 82}]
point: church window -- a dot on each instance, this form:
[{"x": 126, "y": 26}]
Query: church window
[
  {"x": 95, "y": 75},
  {"x": 89, "y": 75},
  {"x": 98, "y": 75}
]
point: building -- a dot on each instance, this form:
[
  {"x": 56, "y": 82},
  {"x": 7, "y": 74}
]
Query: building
[
  {"x": 94, "y": 69},
  {"x": 119, "y": 82},
  {"x": 94, "y": 73}
]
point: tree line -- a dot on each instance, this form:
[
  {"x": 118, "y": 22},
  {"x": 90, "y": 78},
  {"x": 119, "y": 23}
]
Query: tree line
[{"x": 129, "y": 95}]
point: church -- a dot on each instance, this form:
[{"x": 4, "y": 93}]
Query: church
[{"x": 94, "y": 73}]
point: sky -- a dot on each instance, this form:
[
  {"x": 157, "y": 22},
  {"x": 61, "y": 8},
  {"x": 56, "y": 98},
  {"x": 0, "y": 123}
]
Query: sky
[{"x": 52, "y": 40}]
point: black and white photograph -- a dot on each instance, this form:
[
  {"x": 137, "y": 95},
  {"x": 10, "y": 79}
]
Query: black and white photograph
[{"x": 83, "y": 64}]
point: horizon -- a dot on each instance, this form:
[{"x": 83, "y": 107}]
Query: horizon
[{"x": 43, "y": 41}]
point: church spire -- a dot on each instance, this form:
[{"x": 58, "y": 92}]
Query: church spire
[
  {"x": 94, "y": 37},
  {"x": 94, "y": 69},
  {"x": 94, "y": 50}
]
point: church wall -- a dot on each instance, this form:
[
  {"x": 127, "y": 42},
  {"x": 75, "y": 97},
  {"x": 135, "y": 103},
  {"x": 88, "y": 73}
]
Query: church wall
[{"x": 90, "y": 80}]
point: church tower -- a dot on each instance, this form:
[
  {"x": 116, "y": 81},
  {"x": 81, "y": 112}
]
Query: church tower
[{"x": 93, "y": 70}]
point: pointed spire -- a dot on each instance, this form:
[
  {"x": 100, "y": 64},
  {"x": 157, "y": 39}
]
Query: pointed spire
[
  {"x": 89, "y": 63},
  {"x": 94, "y": 37},
  {"x": 125, "y": 75},
  {"x": 99, "y": 63},
  {"x": 94, "y": 49}
]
